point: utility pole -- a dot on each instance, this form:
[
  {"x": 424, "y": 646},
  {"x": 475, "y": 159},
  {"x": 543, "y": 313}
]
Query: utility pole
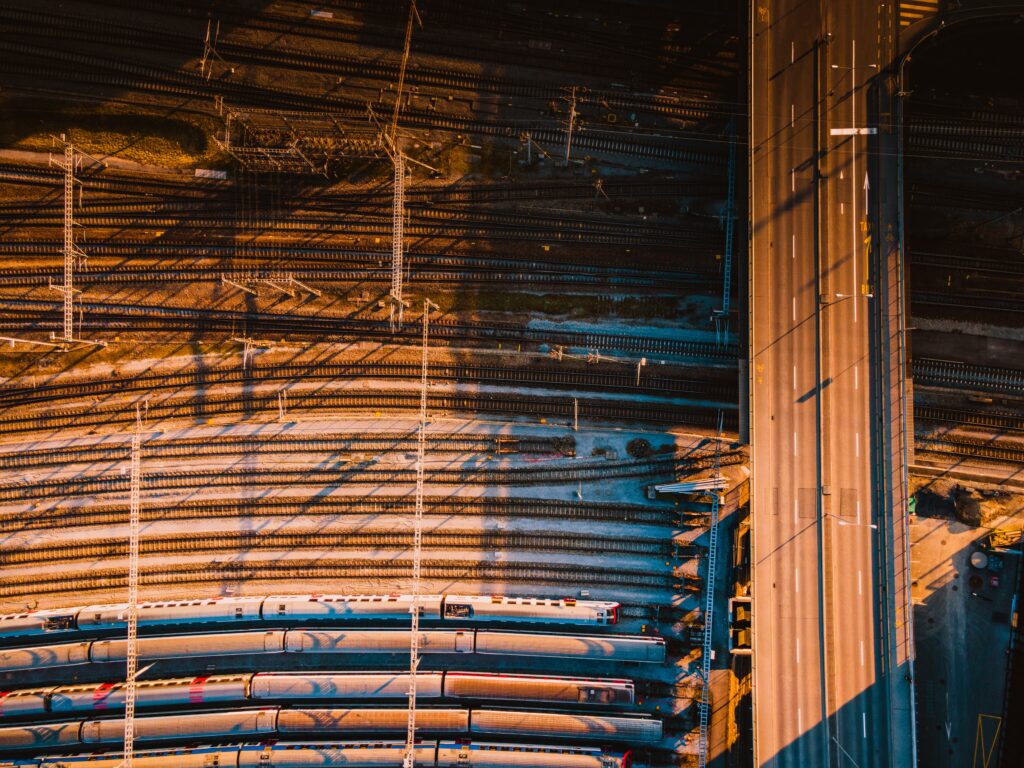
[
  {"x": 709, "y": 609},
  {"x": 417, "y": 545},
  {"x": 133, "y": 592},
  {"x": 397, "y": 244},
  {"x": 721, "y": 316},
  {"x": 571, "y": 125},
  {"x": 72, "y": 159}
]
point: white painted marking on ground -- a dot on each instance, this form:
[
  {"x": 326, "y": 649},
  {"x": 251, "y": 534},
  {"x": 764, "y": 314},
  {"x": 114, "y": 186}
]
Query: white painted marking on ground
[
  {"x": 842, "y": 209},
  {"x": 792, "y": 52},
  {"x": 858, "y": 511},
  {"x": 792, "y": 179},
  {"x": 793, "y": 251},
  {"x": 856, "y": 377},
  {"x": 794, "y": 378},
  {"x": 794, "y": 309},
  {"x": 798, "y": 650},
  {"x": 792, "y": 115},
  {"x": 860, "y": 584},
  {"x": 796, "y": 510},
  {"x": 862, "y": 653},
  {"x": 856, "y": 443},
  {"x": 799, "y": 721},
  {"x": 864, "y": 723},
  {"x": 794, "y": 443},
  {"x": 796, "y": 579}
]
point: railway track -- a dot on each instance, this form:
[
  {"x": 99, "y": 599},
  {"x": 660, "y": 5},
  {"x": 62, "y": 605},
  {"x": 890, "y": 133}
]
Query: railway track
[
  {"x": 284, "y": 444},
  {"x": 1007, "y": 301},
  {"x": 257, "y": 375},
  {"x": 971, "y": 447},
  {"x": 82, "y": 29},
  {"x": 315, "y": 539},
  {"x": 357, "y": 472},
  {"x": 63, "y": 516},
  {"x": 1012, "y": 422},
  {"x": 956, "y": 375},
  {"x": 324, "y": 570},
  {"x": 976, "y": 264},
  {"x": 117, "y": 317}
]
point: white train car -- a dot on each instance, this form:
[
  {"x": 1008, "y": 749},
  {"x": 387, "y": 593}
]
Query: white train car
[
  {"x": 376, "y": 641},
  {"x": 187, "y": 646},
  {"x": 43, "y": 657},
  {"x": 216, "y": 610},
  {"x": 46, "y": 622},
  {"x": 370, "y": 721},
  {"x": 235, "y": 723},
  {"x": 602, "y": 647},
  {"x": 40, "y": 736},
  {"x": 558, "y": 725},
  {"x": 97, "y": 697},
  {"x": 482, "y": 686},
  {"x": 336, "y": 607},
  {"x": 529, "y": 610},
  {"x": 351, "y": 754},
  {"x": 27, "y": 702},
  {"x": 187, "y": 757},
  {"x": 292, "y": 686},
  {"x": 451, "y": 754}
]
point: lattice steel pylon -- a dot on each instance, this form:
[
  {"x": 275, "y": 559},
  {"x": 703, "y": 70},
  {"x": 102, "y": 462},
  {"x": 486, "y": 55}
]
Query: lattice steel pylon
[
  {"x": 417, "y": 545},
  {"x": 133, "y": 592},
  {"x": 72, "y": 253},
  {"x": 397, "y": 244},
  {"x": 709, "y": 611}
]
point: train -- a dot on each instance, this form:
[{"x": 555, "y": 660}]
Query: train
[
  {"x": 260, "y": 687},
  {"x": 338, "y": 641},
  {"x": 284, "y": 723},
  {"x": 277, "y": 608},
  {"x": 351, "y": 754}
]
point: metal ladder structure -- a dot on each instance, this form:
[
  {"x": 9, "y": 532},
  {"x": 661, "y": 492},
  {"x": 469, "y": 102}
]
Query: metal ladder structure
[
  {"x": 417, "y": 546},
  {"x": 72, "y": 253},
  {"x": 133, "y": 593},
  {"x": 397, "y": 243},
  {"x": 722, "y": 315},
  {"x": 709, "y": 610}
]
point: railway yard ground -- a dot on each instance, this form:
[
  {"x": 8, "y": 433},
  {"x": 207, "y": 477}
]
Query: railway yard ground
[{"x": 245, "y": 348}]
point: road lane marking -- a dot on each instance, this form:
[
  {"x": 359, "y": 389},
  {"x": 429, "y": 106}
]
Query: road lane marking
[
  {"x": 864, "y": 723},
  {"x": 862, "y": 653},
  {"x": 792, "y": 179},
  {"x": 794, "y": 309},
  {"x": 792, "y": 51},
  {"x": 794, "y": 443},
  {"x": 799, "y": 721},
  {"x": 792, "y": 115},
  {"x": 842, "y": 209},
  {"x": 794, "y": 378},
  {"x": 860, "y": 586},
  {"x": 798, "y": 650},
  {"x": 796, "y": 579},
  {"x": 856, "y": 377},
  {"x": 796, "y": 510},
  {"x": 858, "y": 511},
  {"x": 793, "y": 250},
  {"x": 856, "y": 443}
]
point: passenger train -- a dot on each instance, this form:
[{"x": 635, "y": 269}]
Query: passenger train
[
  {"x": 261, "y": 687},
  {"x": 272, "y": 723},
  {"x": 338, "y": 641},
  {"x": 220, "y": 610},
  {"x": 351, "y": 754}
]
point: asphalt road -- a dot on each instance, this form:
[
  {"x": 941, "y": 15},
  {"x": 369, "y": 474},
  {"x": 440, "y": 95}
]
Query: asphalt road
[{"x": 819, "y": 697}]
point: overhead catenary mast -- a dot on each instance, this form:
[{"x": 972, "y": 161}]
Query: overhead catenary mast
[
  {"x": 72, "y": 253},
  {"x": 133, "y": 592},
  {"x": 417, "y": 545}
]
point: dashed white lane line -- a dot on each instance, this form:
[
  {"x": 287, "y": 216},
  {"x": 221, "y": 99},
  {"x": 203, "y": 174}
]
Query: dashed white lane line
[
  {"x": 794, "y": 378},
  {"x": 799, "y": 721},
  {"x": 796, "y": 510},
  {"x": 856, "y": 377},
  {"x": 794, "y": 247},
  {"x": 842, "y": 209},
  {"x": 792, "y": 51},
  {"x": 796, "y": 579},
  {"x": 794, "y": 309},
  {"x": 792, "y": 115},
  {"x": 792, "y": 179},
  {"x": 860, "y": 583},
  {"x": 798, "y": 650},
  {"x": 864, "y": 723},
  {"x": 856, "y": 443},
  {"x": 794, "y": 443},
  {"x": 862, "y": 653}
]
